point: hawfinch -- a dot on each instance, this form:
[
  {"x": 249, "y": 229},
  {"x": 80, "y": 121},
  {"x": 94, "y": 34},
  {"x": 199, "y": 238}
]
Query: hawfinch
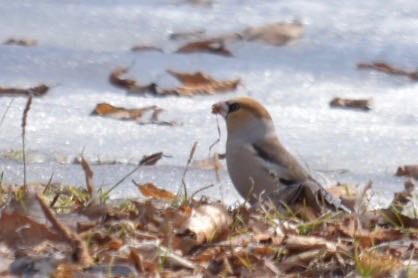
[{"x": 258, "y": 164}]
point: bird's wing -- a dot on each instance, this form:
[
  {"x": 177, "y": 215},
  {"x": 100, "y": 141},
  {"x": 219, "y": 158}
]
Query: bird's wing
[
  {"x": 279, "y": 161},
  {"x": 290, "y": 172}
]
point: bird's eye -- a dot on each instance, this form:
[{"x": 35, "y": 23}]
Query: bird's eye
[{"x": 233, "y": 107}]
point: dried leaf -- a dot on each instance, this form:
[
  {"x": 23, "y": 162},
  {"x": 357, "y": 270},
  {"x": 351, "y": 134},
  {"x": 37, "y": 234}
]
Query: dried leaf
[
  {"x": 144, "y": 48},
  {"x": 21, "y": 42},
  {"x": 199, "y": 83},
  {"x": 152, "y": 159},
  {"x": 117, "y": 80},
  {"x": 302, "y": 243},
  {"x": 91, "y": 187},
  {"x": 135, "y": 114},
  {"x": 360, "y": 104},
  {"x": 276, "y": 34},
  {"x": 407, "y": 171},
  {"x": 212, "y": 46},
  {"x": 152, "y": 191},
  {"x": 18, "y": 230},
  {"x": 206, "y": 223},
  {"x": 37, "y": 91},
  {"x": 389, "y": 69}
]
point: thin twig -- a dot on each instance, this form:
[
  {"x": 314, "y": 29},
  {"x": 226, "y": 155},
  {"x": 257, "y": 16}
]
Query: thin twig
[
  {"x": 217, "y": 139},
  {"x": 48, "y": 184},
  {"x": 144, "y": 161},
  {"x": 5, "y": 111},
  {"x": 189, "y": 160},
  {"x": 201, "y": 189},
  {"x": 24, "y": 123},
  {"x": 81, "y": 253}
]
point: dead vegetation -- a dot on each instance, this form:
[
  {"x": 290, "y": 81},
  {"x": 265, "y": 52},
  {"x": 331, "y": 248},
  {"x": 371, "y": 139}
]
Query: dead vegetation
[
  {"x": 37, "y": 91},
  {"x": 21, "y": 42},
  {"x": 389, "y": 69},
  {"x": 192, "y": 84},
  {"x": 170, "y": 235},
  {"x": 357, "y": 104}
]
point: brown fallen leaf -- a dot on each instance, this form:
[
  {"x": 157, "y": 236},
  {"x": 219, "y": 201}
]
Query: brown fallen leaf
[
  {"x": 152, "y": 191},
  {"x": 199, "y": 83},
  {"x": 389, "y": 69},
  {"x": 21, "y": 42},
  {"x": 131, "y": 85},
  {"x": 116, "y": 79},
  {"x": 144, "y": 115},
  {"x": 206, "y": 223},
  {"x": 277, "y": 34},
  {"x": 152, "y": 159},
  {"x": 144, "y": 48},
  {"x": 407, "y": 171},
  {"x": 36, "y": 91},
  {"x": 361, "y": 104},
  {"x": 18, "y": 231},
  {"x": 212, "y": 46}
]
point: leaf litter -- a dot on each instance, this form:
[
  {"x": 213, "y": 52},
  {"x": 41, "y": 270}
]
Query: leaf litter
[
  {"x": 196, "y": 83},
  {"x": 143, "y": 115},
  {"x": 275, "y": 34},
  {"x": 168, "y": 235}
]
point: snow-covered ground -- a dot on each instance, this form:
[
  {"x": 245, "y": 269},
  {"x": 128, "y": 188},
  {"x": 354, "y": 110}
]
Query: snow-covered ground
[{"x": 80, "y": 42}]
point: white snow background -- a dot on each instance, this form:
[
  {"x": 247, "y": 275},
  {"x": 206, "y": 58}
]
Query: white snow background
[{"x": 80, "y": 42}]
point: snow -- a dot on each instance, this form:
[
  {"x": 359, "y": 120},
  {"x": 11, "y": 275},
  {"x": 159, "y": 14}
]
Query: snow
[{"x": 81, "y": 42}]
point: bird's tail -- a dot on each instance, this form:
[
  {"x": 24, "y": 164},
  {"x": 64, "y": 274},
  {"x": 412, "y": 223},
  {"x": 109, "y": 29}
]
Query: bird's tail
[{"x": 317, "y": 196}]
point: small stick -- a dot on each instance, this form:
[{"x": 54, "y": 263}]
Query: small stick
[
  {"x": 201, "y": 189},
  {"x": 48, "y": 184},
  {"x": 24, "y": 123},
  {"x": 80, "y": 251},
  {"x": 217, "y": 139},
  {"x": 147, "y": 160}
]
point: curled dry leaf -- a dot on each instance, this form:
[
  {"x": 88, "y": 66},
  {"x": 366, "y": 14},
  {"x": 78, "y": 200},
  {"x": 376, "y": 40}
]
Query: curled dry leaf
[
  {"x": 131, "y": 85},
  {"x": 144, "y": 48},
  {"x": 36, "y": 91},
  {"x": 88, "y": 172},
  {"x": 144, "y": 115},
  {"x": 151, "y": 159},
  {"x": 207, "y": 222},
  {"x": 212, "y": 46},
  {"x": 360, "y": 104},
  {"x": 21, "y": 42},
  {"x": 277, "y": 34},
  {"x": 116, "y": 79},
  {"x": 389, "y": 69},
  {"x": 407, "y": 171},
  {"x": 199, "y": 83},
  {"x": 152, "y": 191}
]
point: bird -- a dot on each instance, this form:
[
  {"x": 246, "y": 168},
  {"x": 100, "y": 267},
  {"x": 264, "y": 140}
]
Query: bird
[{"x": 258, "y": 163}]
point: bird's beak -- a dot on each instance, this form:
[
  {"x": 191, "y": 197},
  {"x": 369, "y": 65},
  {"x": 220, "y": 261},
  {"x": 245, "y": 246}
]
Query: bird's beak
[{"x": 220, "y": 108}]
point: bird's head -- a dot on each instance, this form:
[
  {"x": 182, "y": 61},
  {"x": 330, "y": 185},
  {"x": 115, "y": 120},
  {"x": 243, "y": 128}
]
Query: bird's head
[{"x": 244, "y": 117}]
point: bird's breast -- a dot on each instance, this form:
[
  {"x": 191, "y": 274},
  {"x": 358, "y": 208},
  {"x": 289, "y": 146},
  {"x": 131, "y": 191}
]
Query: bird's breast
[{"x": 247, "y": 172}]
